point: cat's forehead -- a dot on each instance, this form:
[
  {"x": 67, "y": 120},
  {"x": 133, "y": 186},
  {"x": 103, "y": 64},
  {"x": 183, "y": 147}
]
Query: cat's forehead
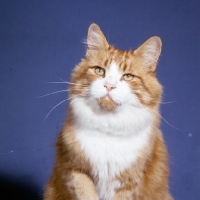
[
  {"x": 113, "y": 69},
  {"x": 115, "y": 55},
  {"x": 120, "y": 60}
]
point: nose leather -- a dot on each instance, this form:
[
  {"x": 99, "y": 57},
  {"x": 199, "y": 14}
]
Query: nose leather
[{"x": 109, "y": 86}]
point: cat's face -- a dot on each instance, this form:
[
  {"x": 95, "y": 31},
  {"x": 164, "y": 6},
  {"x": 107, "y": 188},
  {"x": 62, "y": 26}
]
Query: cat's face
[
  {"x": 111, "y": 89},
  {"x": 109, "y": 78}
]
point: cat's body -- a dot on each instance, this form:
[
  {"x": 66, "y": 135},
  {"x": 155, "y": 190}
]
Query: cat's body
[{"x": 110, "y": 147}]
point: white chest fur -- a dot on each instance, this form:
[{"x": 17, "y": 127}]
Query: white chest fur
[
  {"x": 111, "y": 142},
  {"x": 109, "y": 155}
]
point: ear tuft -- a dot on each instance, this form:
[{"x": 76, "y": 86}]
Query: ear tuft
[
  {"x": 96, "y": 39},
  {"x": 150, "y": 52}
]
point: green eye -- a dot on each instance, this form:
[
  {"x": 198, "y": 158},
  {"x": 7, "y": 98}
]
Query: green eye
[
  {"x": 128, "y": 77},
  {"x": 99, "y": 71}
]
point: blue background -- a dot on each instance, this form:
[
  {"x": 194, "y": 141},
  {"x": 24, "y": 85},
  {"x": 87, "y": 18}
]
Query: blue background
[{"x": 41, "y": 41}]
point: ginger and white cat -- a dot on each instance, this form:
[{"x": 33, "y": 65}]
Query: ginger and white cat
[{"x": 111, "y": 147}]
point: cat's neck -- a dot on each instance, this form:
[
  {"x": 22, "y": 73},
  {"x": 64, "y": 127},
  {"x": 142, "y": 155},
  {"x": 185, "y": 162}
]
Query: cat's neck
[{"x": 125, "y": 121}]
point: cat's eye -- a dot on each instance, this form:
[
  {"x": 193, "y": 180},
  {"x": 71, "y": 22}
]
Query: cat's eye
[
  {"x": 128, "y": 77},
  {"x": 99, "y": 71}
]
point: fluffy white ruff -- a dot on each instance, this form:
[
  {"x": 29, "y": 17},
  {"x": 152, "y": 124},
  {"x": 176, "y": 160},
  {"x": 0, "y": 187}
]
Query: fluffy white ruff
[{"x": 127, "y": 120}]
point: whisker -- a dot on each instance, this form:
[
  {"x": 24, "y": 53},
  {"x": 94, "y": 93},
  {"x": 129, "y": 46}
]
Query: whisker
[
  {"x": 62, "y": 79},
  {"x": 89, "y": 98},
  {"x": 160, "y": 102},
  {"x": 65, "y": 82},
  {"x": 58, "y": 105},
  {"x": 166, "y": 120},
  {"x": 52, "y": 93},
  {"x": 170, "y": 124},
  {"x": 76, "y": 89},
  {"x": 54, "y": 108},
  {"x": 161, "y": 115}
]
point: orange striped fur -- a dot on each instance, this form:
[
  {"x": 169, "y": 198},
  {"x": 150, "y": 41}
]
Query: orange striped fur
[{"x": 111, "y": 147}]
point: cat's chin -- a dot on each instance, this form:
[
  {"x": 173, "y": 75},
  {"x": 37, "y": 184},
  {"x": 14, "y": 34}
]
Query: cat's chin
[{"x": 107, "y": 104}]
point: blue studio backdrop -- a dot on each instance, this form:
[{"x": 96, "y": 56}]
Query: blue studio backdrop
[{"x": 41, "y": 41}]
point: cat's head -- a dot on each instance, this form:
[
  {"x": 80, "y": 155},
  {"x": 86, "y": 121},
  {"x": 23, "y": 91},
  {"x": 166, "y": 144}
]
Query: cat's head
[{"x": 109, "y": 78}]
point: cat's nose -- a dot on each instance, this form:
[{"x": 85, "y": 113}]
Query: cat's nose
[{"x": 109, "y": 86}]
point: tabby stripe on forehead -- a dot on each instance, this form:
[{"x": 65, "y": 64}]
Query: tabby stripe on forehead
[
  {"x": 124, "y": 67},
  {"x": 106, "y": 62}
]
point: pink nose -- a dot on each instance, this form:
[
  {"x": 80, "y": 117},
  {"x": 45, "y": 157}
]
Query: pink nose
[{"x": 109, "y": 86}]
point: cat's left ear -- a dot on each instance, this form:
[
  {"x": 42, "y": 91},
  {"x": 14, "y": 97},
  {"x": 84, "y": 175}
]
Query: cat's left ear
[
  {"x": 96, "y": 39},
  {"x": 150, "y": 51}
]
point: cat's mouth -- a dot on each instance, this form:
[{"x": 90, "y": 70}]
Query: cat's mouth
[{"x": 107, "y": 104}]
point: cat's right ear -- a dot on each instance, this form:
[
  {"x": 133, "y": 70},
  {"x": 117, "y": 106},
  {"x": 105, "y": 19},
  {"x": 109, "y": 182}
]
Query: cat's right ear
[
  {"x": 150, "y": 51},
  {"x": 96, "y": 39}
]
